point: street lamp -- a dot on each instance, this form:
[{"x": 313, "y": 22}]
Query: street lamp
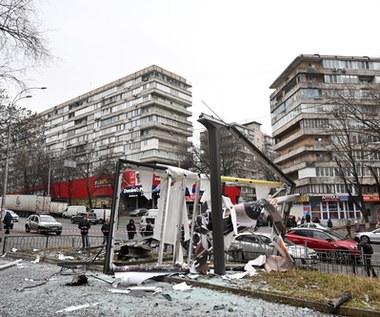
[{"x": 18, "y": 97}]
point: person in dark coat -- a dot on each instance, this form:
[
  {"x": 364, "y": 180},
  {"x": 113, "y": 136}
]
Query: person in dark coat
[
  {"x": 148, "y": 231},
  {"x": 348, "y": 228},
  {"x": 131, "y": 229},
  {"x": 106, "y": 231},
  {"x": 8, "y": 222},
  {"x": 366, "y": 250},
  {"x": 329, "y": 223},
  {"x": 84, "y": 226}
]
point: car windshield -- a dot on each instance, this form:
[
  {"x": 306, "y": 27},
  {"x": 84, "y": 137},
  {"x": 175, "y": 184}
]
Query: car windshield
[{"x": 47, "y": 219}]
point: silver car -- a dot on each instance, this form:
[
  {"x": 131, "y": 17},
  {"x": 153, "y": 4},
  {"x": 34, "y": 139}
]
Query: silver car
[
  {"x": 248, "y": 246},
  {"x": 370, "y": 237},
  {"x": 43, "y": 224}
]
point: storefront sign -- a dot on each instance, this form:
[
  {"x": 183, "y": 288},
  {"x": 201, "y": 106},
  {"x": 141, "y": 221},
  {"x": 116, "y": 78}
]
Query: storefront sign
[{"x": 330, "y": 198}]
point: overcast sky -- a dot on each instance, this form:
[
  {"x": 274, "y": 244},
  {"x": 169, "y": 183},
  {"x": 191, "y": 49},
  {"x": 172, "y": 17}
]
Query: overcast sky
[{"x": 230, "y": 51}]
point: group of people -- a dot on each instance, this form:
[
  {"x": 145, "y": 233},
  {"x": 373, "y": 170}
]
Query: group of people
[
  {"x": 85, "y": 225},
  {"x": 295, "y": 222}
]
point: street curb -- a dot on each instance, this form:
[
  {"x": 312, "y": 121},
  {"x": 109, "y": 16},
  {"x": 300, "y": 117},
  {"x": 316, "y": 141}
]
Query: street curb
[{"x": 269, "y": 297}]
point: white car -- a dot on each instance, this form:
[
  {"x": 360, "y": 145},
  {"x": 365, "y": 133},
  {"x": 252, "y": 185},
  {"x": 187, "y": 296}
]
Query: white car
[
  {"x": 313, "y": 225},
  {"x": 370, "y": 237},
  {"x": 43, "y": 224},
  {"x": 15, "y": 216}
]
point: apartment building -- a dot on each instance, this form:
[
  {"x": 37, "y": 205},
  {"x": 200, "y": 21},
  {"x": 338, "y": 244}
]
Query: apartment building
[
  {"x": 141, "y": 117},
  {"x": 303, "y": 109}
]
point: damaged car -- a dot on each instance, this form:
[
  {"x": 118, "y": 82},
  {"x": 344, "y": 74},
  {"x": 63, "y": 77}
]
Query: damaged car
[{"x": 248, "y": 246}]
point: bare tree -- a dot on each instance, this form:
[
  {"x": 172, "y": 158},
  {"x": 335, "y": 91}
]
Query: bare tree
[
  {"x": 21, "y": 145},
  {"x": 232, "y": 155},
  {"x": 21, "y": 39},
  {"x": 355, "y": 143},
  {"x": 106, "y": 169}
]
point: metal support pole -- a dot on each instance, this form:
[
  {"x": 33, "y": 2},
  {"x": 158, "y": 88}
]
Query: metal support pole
[
  {"x": 49, "y": 178},
  {"x": 216, "y": 196},
  {"x": 177, "y": 245},
  {"x": 194, "y": 219},
  {"x": 108, "y": 261},
  {"x": 163, "y": 223}
]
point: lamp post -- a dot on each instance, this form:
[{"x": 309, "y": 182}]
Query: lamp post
[{"x": 18, "y": 97}]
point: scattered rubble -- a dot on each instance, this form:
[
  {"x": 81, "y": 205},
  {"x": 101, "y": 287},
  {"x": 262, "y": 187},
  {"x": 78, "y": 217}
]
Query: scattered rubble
[{"x": 52, "y": 296}]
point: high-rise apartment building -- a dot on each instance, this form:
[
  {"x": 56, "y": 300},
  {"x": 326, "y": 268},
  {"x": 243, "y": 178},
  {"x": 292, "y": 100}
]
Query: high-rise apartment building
[
  {"x": 304, "y": 107},
  {"x": 142, "y": 117}
]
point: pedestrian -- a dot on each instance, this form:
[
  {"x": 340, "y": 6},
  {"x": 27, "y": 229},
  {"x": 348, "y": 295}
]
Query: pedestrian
[
  {"x": 148, "y": 231},
  {"x": 8, "y": 222},
  {"x": 348, "y": 228},
  {"x": 357, "y": 226},
  {"x": 366, "y": 250},
  {"x": 106, "y": 231},
  {"x": 84, "y": 226},
  {"x": 131, "y": 229},
  {"x": 308, "y": 218},
  {"x": 378, "y": 224},
  {"x": 329, "y": 223}
]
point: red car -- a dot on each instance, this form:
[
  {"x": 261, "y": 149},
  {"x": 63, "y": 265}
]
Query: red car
[{"x": 327, "y": 242}]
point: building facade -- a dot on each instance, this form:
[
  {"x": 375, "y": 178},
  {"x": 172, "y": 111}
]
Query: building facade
[
  {"x": 142, "y": 117},
  {"x": 304, "y": 107}
]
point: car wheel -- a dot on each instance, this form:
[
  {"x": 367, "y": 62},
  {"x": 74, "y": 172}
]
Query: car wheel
[
  {"x": 27, "y": 228},
  {"x": 58, "y": 233},
  {"x": 364, "y": 239}
]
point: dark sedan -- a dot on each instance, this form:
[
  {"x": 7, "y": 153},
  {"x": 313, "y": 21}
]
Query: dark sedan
[
  {"x": 91, "y": 217},
  {"x": 138, "y": 212}
]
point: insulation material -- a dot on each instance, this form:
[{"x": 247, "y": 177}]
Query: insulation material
[
  {"x": 262, "y": 192},
  {"x": 172, "y": 208}
]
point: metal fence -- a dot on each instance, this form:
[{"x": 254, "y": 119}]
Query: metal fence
[
  {"x": 324, "y": 261},
  {"x": 27, "y": 243}
]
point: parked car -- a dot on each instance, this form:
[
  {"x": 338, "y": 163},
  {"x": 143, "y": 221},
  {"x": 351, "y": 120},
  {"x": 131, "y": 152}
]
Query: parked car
[
  {"x": 101, "y": 214},
  {"x": 138, "y": 212},
  {"x": 327, "y": 242},
  {"x": 15, "y": 217},
  {"x": 91, "y": 217},
  {"x": 370, "y": 237},
  {"x": 73, "y": 210},
  {"x": 43, "y": 224},
  {"x": 248, "y": 245},
  {"x": 313, "y": 225}
]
